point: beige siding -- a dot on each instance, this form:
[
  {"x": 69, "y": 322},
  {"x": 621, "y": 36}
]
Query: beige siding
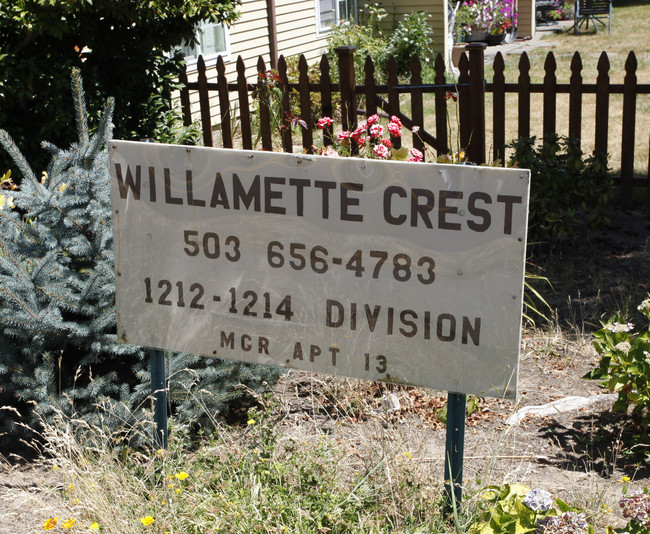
[
  {"x": 526, "y": 18},
  {"x": 296, "y": 21}
]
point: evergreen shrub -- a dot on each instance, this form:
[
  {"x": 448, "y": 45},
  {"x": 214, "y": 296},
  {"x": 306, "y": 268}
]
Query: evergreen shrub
[{"x": 58, "y": 343}]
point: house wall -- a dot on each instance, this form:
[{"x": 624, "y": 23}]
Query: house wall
[
  {"x": 526, "y": 18},
  {"x": 296, "y": 24}
]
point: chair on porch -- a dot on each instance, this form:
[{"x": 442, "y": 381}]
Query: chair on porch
[{"x": 594, "y": 11}]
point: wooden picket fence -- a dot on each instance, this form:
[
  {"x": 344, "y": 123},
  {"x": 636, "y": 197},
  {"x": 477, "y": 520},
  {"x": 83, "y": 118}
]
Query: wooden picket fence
[{"x": 372, "y": 97}]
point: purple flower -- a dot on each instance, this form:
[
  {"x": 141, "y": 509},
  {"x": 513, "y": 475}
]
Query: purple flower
[
  {"x": 565, "y": 523},
  {"x": 636, "y": 507},
  {"x": 538, "y": 500}
]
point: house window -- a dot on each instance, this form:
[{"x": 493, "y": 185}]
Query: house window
[
  {"x": 332, "y": 12},
  {"x": 212, "y": 41}
]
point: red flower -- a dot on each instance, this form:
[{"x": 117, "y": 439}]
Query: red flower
[
  {"x": 376, "y": 130},
  {"x": 324, "y": 123},
  {"x": 380, "y": 151},
  {"x": 372, "y": 119},
  {"x": 395, "y": 126},
  {"x": 452, "y": 96},
  {"x": 416, "y": 155}
]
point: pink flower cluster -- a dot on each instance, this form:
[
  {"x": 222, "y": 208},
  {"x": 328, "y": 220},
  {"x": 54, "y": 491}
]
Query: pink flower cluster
[{"x": 369, "y": 135}]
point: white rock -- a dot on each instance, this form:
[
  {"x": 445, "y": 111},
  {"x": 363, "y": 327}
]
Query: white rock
[{"x": 566, "y": 404}]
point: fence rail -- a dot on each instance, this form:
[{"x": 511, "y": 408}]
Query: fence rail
[{"x": 370, "y": 97}]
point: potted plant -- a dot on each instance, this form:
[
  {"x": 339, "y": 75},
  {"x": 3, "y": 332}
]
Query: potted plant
[{"x": 489, "y": 21}]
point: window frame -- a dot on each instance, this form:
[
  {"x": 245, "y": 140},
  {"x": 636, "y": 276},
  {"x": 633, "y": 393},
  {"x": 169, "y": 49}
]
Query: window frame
[
  {"x": 350, "y": 7},
  {"x": 210, "y": 60}
]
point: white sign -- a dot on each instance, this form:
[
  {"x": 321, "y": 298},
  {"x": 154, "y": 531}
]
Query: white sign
[{"x": 409, "y": 273}]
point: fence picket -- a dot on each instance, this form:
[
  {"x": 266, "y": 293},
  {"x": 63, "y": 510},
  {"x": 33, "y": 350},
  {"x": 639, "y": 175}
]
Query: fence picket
[
  {"x": 204, "y": 102},
  {"x": 305, "y": 104},
  {"x": 575, "y": 98},
  {"x": 244, "y": 108},
  {"x": 393, "y": 96},
  {"x": 371, "y": 87},
  {"x": 550, "y": 97},
  {"x": 523, "y": 97},
  {"x": 264, "y": 105},
  {"x": 476, "y": 149},
  {"x": 440, "y": 94},
  {"x": 224, "y": 104},
  {"x": 326, "y": 99},
  {"x": 348, "y": 87},
  {"x": 464, "y": 102},
  {"x": 287, "y": 140},
  {"x": 602, "y": 103},
  {"x": 186, "y": 104},
  {"x": 499, "y": 110},
  {"x": 627, "y": 136},
  {"x": 417, "y": 110}
]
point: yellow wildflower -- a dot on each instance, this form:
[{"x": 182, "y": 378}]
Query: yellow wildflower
[
  {"x": 94, "y": 526},
  {"x": 146, "y": 521},
  {"x": 70, "y": 487},
  {"x": 50, "y": 523},
  {"x": 68, "y": 523},
  {"x": 251, "y": 422},
  {"x": 182, "y": 475},
  {"x": 408, "y": 454},
  {"x": 624, "y": 480}
]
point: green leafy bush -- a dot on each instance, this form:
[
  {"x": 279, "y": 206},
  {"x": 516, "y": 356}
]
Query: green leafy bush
[
  {"x": 624, "y": 367},
  {"x": 565, "y": 185},
  {"x": 367, "y": 37},
  {"x": 515, "y": 509},
  {"x": 58, "y": 342},
  {"x": 412, "y": 36}
]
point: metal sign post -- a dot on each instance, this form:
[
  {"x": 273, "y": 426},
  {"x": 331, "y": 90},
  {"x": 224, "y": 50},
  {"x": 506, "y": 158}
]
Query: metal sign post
[
  {"x": 454, "y": 446},
  {"x": 159, "y": 394}
]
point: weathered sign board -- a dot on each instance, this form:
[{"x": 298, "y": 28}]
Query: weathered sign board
[{"x": 409, "y": 273}]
